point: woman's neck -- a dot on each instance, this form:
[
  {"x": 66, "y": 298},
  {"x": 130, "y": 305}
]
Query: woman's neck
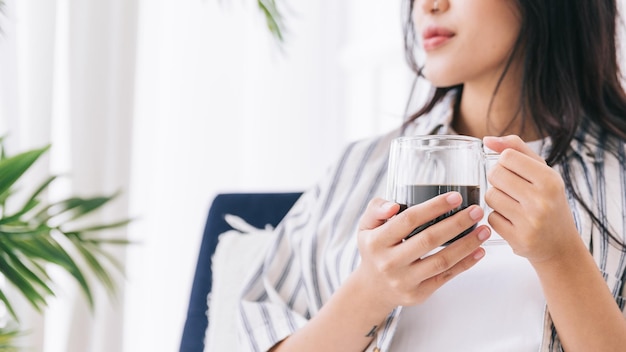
[{"x": 481, "y": 112}]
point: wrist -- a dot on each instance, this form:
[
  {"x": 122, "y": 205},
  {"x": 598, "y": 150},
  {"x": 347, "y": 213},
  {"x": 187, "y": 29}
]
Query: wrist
[
  {"x": 370, "y": 295},
  {"x": 570, "y": 257}
]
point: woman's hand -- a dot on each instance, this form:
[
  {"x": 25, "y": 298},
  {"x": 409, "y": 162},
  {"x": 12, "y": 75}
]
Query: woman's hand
[
  {"x": 530, "y": 208},
  {"x": 532, "y": 213},
  {"x": 392, "y": 272},
  {"x": 398, "y": 271}
]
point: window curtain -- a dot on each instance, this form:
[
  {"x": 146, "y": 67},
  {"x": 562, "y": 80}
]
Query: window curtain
[
  {"x": 221, "y": 107},
  {"x": 170, "y": 102},
  {"x": 67, "y": 78}
]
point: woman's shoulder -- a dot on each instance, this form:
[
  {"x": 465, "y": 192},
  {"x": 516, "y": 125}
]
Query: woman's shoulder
[
  {"x": 362, "y": 154},
  {"x": 363, "y": 145}
]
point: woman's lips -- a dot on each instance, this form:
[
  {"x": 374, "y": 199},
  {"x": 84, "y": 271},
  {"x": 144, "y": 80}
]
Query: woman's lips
[{"x": 434, "y": 37}]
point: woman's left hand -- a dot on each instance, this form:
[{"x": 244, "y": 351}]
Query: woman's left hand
[{"x": 530, "y": 208}]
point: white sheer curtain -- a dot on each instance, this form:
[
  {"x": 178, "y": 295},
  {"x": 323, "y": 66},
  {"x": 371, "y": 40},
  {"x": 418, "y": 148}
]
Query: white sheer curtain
[
  {"x": 173, "y": 101},
  {"x": 68, "y": 71},
  {"x": 220, "y": 108}
]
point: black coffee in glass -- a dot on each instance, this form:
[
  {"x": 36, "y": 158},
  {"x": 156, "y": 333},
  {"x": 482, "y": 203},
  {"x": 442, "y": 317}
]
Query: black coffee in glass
[{"x": 416, "y": 194}]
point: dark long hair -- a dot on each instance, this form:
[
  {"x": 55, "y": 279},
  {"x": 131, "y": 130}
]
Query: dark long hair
[{"x": 571, "y": 75}]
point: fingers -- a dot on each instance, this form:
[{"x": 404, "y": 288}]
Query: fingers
[
  {"x": 404, "y": 223},
  {"x": 378, "y": 211},
  {"x": 454, "y": 259},
  {"x": 387, "y": 230},
  {"x": 429, "y": 286},
  {"x": 403, "y": 267},
  {"x": 518, "y": 168},
  {"x": 499, "y": 144},
  {"x": 502, "y": 178},
  {"x": 500, "y": 224},
  {"x": 503, "y": 202}
]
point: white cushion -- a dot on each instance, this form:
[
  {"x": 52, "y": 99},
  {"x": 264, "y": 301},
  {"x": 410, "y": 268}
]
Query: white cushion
[{"x": 238, "y": 252}]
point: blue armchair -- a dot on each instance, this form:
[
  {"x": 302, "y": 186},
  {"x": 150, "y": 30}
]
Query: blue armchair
[{"x": 258, "y": 209}]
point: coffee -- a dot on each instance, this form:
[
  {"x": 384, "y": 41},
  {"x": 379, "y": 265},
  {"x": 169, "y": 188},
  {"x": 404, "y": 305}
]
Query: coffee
[{"x": 416, "y": 194}]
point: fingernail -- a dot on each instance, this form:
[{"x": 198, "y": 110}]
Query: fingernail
[
  {"x": 453, "y": 198},
  {"x": 484, "y": 234},
  {"x": 387, "y": 205},
  {"x": 476, "y": 213},
  {"x": 479, "y": 254}
]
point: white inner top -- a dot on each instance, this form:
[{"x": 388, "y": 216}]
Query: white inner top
[{"x": 497, "y": 305}]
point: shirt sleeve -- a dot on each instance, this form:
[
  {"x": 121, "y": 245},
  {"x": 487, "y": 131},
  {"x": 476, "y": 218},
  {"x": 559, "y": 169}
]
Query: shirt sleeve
[
  {"x": 275, "y": 302},
  {"x": 314, "y": 248}
]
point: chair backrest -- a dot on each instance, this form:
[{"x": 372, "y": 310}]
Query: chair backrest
[{"x": 257, "y": 209}]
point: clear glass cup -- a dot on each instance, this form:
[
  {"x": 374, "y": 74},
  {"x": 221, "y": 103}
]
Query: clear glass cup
[{"x": 422, "y": 167}]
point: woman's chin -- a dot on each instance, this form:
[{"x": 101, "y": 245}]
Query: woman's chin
[{"x": 440, "y": 79}]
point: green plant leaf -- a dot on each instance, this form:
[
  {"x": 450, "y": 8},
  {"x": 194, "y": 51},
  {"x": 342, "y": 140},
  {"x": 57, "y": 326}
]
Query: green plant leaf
[
  {"x": 73, "y": 208},
  {"x": 41, "y": 188},
  {"x": 273, "y": 18},
  {"x": 7, "y": 304},
  {"x": 110, "y": 241},
  {"x": 20, "y": 265},
  {"x": 32, "y": 201},
  {"x": 101, "y": 227},
  {"x": 2, "y": 138},
  {"x": 19, "y": 228},
  {"x": 96, "y": 248},
  {"x": 36, "y": 299},
  {"x": 49, "y": 250},
  {"x": 12, "y": 168},
  {"x": 32, "y": 237},
  {"x": 94, "y": 265},
  {"x": 7, "y": 335},
  {"x": 30, "y": 205},
  {"x": 4, "y": 196}
]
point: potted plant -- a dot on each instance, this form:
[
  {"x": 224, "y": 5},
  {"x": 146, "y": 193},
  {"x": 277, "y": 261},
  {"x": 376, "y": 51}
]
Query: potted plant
[{"x": 38, "y": 233}]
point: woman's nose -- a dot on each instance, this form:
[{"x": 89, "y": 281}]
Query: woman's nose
[{"x": 434, "y": 6}]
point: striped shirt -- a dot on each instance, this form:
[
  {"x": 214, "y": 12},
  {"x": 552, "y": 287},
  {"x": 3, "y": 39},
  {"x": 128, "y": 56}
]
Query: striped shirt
[{"x": 315, "y": 249}]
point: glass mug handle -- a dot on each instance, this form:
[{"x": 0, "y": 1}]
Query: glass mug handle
[{"x": 489, "y": 159}]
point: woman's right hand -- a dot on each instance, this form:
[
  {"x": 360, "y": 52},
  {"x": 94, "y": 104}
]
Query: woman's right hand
[
  {"x": 392, "y": 272},
  {"x": 399, "y": 271}
]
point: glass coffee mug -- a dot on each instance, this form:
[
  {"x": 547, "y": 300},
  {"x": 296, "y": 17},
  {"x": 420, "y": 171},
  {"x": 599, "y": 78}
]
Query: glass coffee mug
[{"x": 423, "y": 167}]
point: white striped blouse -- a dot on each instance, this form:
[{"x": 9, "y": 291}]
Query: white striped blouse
[{"x": 315, "y": 250}]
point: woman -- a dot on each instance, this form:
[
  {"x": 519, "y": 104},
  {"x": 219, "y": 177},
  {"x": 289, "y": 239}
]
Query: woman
[{"x": 542, "y": 74}]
